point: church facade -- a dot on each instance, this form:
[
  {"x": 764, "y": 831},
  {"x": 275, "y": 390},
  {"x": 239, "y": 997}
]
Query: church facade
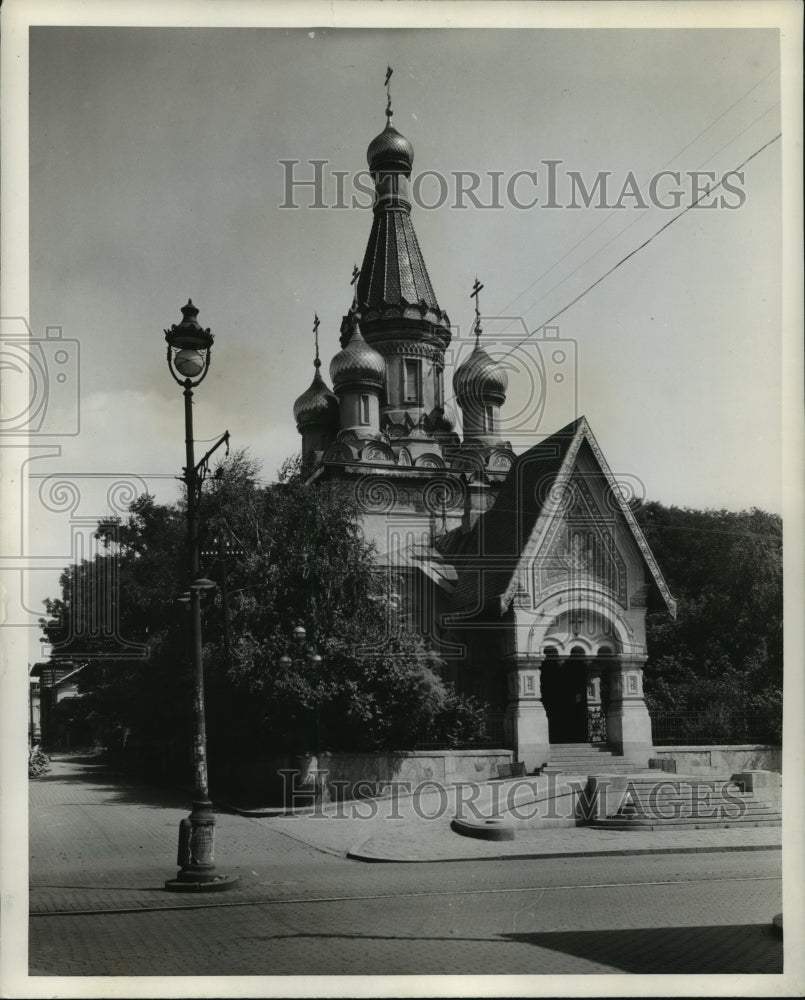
[{"x": 527, "y": 572}]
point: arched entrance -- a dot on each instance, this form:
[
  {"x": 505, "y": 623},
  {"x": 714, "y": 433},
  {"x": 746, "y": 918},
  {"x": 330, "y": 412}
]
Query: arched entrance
[
  {"x": 577, "y": 653},
  {"x": 563, "y": 684}
]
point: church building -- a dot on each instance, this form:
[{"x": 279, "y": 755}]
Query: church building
[{"x": 528, "y": 573}]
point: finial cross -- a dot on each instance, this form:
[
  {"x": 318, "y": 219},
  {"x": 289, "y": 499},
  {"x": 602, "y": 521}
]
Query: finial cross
[
  {"x": 356, "y": 273},
  {"x": 386, "y": 84},
  {"x": 476, "y": 294},
  {"x": 316, "y": 324}
]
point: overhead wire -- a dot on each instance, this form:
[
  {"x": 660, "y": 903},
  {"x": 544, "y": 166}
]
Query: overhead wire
[
  {"x": 603, "y": 222},
  {"x": 705, "y": 194}
]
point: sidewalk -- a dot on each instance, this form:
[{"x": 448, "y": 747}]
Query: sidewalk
[
  {"x": 86, "y": 856},
  {"x": 417, "y": 828}
]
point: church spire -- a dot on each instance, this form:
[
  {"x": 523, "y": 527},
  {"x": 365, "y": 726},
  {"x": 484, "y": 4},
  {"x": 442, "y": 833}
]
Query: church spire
[{"x": 394, "y": 288}]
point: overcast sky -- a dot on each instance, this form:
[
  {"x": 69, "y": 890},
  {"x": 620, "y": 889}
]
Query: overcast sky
[{"x": 155, "y": 176}]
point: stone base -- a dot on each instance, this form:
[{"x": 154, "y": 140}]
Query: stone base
[{"x": 201, "y": 882}]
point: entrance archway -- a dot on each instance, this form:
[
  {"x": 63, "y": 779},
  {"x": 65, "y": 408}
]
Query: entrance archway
[
  {"x": 563, "y": 683},
  {"x": 579, "y": 649}
]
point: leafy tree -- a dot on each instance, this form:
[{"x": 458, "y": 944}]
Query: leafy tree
[
  {"x": 723, "y": 656},
  {"x": 294, "y": 554}
]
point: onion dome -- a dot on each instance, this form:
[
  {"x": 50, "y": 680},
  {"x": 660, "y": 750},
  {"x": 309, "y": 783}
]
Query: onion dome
[
  {"x": 480, "y": 379},
  {"x": 316, "y": 405},
  {"x": 357, "y": 363},
  {"x": 390, "y": 151}
]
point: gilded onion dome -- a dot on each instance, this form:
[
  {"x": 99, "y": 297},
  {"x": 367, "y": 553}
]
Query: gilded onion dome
[
  {"x": 357, "y": 363},
  {"x": 390, "y": 151},
  {"x": 480, "y": 379},
  {"x": 316, "y": 405}
]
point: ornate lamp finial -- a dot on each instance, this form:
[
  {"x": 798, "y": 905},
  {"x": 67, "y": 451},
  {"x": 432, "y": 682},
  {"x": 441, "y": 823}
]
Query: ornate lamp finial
[
  {"x": 389, "y": 112},
  {"x": 476, "y": 294},
  {"x": 317, "y": 362}
]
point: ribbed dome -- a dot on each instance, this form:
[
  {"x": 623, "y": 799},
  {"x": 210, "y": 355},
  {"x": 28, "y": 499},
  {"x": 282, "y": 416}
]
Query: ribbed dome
[
  {"x": 390, "y": 151},
  {"x": 358, "y": 362},
  {"x": 316, "y": 405},
  {"x": 480, "y": 379}
]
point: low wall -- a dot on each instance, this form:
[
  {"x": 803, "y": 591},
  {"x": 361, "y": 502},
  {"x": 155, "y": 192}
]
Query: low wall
[
  {"x": 350, "y": 775},
  {"x": 752, "y": 757}
]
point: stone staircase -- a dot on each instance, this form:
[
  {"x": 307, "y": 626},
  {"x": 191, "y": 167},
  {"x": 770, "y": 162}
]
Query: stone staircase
[
  {"x": 662, "y": 801},
  {"x": 590, "y": 758}
]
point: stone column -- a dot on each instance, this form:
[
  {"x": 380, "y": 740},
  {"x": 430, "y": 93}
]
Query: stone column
[
  {"x": 526, "y": 719},
  {"x": 628, "y": 721}
]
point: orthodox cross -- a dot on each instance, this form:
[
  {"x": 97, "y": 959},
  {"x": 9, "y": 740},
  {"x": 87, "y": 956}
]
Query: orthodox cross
[
  {"x": 389, "y": 112},
  {"x": 356, "y": 273},
  {"x": 316, "y": 324},
  {"x": 476, "y": 294}
]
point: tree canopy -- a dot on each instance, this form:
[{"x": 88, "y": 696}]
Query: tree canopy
[
  {"x": 724, "y": 653},
  {"x": 283, "y": 555}
]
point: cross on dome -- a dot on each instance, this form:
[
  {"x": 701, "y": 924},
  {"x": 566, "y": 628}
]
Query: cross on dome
[
  {"x": 386, "y": 84},
  {"x": 476, "y": 294},
  {"x": 316, "y": 324}
]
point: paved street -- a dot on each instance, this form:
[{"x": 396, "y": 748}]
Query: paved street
[{"x": 101, "y": 849}]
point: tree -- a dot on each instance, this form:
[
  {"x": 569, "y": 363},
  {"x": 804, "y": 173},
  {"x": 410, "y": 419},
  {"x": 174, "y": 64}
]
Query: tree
[
  {"x": 296, "y": 555},
  {"x": 723, "y": 656},
  {"x": 304, "y": 561}
]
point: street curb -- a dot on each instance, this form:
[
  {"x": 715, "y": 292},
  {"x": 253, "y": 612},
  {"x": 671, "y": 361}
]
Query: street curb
[{"x": 355, "y": 854}]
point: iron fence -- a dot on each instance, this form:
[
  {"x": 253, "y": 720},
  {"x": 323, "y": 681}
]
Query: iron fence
[
  {"x": 494, "y": 738},
  {"x": 718, "y": 726}
]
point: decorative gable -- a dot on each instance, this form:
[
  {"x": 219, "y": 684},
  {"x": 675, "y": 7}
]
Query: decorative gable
[{"x": 579, "y": 549}]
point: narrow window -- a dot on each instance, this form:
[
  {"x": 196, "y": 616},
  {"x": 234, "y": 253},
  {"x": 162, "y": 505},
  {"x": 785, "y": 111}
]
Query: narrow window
[
  {"x": 364, "y": 410},
  {"x": 489, "y": 418},
  {"x": 412, "y": 392}
]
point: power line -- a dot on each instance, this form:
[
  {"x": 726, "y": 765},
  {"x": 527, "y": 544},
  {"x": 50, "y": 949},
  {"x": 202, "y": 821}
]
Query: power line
[
  {"x": 635, "y": 220},
  {"x": 642, "y": 246},
  {"x": 667, "y": 164},
  {"x": 651, "y": 238}
]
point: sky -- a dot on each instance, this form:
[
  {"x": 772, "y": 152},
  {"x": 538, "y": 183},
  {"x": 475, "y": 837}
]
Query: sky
[{"x": 156, "y": 175}]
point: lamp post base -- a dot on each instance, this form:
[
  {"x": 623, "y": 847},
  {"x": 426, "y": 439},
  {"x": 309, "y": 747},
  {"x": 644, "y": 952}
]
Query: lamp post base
[
  {"x": 187, "y": 881},
  {"x": 195, "y": 856}
]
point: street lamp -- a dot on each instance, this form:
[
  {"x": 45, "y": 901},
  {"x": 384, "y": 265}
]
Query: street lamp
[{"x": 189, "y": 348}]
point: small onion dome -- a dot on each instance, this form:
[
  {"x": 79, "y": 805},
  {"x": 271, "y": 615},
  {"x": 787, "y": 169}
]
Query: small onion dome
[
  {"x": 316, "y": 405},
  {"x": 357, "y": 363},
  {"x": 390, "y": 151},
  {"x": 480, "y": 379}
]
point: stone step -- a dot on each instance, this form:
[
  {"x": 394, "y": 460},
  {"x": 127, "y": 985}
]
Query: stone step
[
  {"x": 680, "y": 809},
  {"x": 618, "y": 823}
]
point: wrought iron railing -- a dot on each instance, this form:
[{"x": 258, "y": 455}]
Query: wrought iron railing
[
  {"x": 596, "y": 724},
  {"x": 493, "y": 738},
  {"x": 718, "y": 726}
]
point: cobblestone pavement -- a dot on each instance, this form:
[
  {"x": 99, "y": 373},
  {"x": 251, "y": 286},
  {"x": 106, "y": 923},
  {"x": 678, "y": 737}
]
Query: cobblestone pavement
[
  {"x": 101, "y": 849},
  {"x": 626, "y": 928}
]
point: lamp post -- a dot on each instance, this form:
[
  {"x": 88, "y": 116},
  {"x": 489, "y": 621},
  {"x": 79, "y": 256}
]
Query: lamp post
[{"x": 189, "y": 348}]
